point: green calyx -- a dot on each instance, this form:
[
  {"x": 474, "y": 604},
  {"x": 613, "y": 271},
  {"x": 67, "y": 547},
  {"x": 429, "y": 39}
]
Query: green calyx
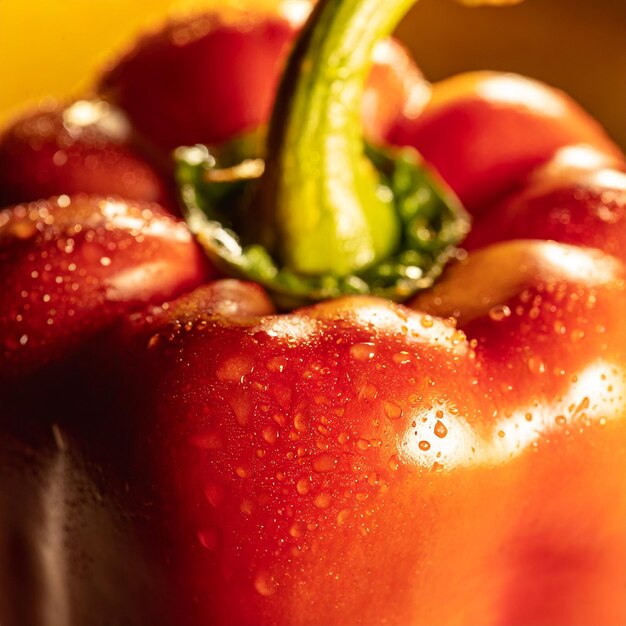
[
  {"x": 311, "y": 211},
  {"x": 218, "y": 191}
]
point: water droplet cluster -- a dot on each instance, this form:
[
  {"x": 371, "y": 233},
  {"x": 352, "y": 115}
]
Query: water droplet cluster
[{"x": 69, "y": 267}]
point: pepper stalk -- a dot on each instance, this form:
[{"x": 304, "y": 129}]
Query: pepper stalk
[{"x": 344, "y": 220}]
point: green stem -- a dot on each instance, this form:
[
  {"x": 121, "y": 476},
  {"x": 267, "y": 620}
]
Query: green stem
[{"x": 322, "y": 207}]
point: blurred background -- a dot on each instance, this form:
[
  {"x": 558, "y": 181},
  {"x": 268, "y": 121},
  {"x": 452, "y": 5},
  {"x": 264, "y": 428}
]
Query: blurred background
[{"x": 55, "y": 47}]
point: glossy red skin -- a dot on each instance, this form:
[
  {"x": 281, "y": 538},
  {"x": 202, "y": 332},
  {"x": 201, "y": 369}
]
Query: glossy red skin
[
  {"x": 313, "y": 463},
  {"x": 207, "y": 78},
  {"x": 70, "y": 266},
  {"x": 563, "y": 201},
  {"x": 485, "y": 131},
  {"x": 54, "y": 150}
]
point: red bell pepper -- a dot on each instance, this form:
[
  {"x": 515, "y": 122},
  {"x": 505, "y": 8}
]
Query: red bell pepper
[{"x": 451, "y": 460}]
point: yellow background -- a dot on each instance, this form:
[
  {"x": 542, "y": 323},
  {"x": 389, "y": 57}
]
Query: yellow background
[{"x": 55, "y": 47}]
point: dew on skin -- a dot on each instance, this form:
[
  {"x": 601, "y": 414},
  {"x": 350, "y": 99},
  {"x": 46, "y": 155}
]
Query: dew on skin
[
  {"x": 584, "y": 404},
  {"x": 321, "y": 445},
  {"x": 343, "y": 516},
  {"x": 363, "y": 351},
  {"x": 322, "y": 430},
  {"x": 234, "y": 369},
  {"x": 373, "y": 480},
  {"x": 392, "y": 410},
  {"x": 246, "y": 506},
  {"x": 300, "y": 422},
  {"x": 208, "y": 538},
  {"x": 280, "y": 419},
  {"x": 324, "y": 463},
  {"x": 303, "y": 486},
  {"x": 440, "y": 429},
  {"x": 242, "y": 408},
  {"x": 536, "y": 365},
  {"x": 560, "y": 419},
  {"x": 297, "y": 530},
  {"x": 277, "y": 364},
  {"x": 214, "y": 495},
  {"x": 243, "y": 472},
  {"x": 424, "y": 445},
  {"x": 363, "y": 444},
  {"x": 499, "y": 312},
  {"x": 270, "y": 434},
  {"x": 458, "y": 337},
  {"x": 63, "y": 201},
  {"x": 368, "y": 392},
  {"x": 321, "y": 399},
  {"x": 322, "y": 500},
  {"x": 393, "y": 463},
  {"x": 343, "y": 438},
  {"x": 427, "y": 321},
  {"x": 401, "y": 358},
  {"x": 265, "y": 584}
]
